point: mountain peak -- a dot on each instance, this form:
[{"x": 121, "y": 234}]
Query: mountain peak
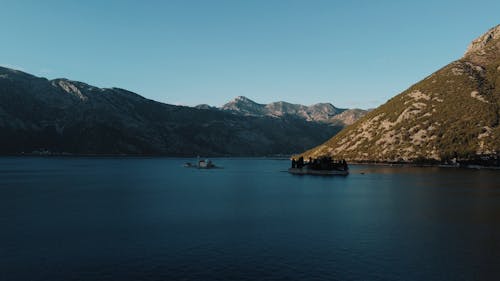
[
  {"x": 244, "y": 105},
  {"x": 243, "y": 99},
  {"x": 484, "y": 46}
]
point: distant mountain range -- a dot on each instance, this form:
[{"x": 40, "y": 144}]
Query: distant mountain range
[
  {"x": 320, "y": 112},
  {"x": 64, "y": 116},
  {"x": 450, "y": 116}
]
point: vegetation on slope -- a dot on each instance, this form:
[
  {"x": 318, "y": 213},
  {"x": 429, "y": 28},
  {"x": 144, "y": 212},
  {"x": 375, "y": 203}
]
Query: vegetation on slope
[{"x": 452, "y": 114}]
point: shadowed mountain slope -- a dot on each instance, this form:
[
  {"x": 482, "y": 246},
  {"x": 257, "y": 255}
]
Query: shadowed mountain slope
[{"x": 64, "y": 116}]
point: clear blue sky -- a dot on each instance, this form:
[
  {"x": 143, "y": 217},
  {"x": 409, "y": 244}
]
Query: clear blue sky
[{"x": 349, "y": 53}]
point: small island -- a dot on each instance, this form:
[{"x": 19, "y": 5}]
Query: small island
[{"x": 324, "y": 166}]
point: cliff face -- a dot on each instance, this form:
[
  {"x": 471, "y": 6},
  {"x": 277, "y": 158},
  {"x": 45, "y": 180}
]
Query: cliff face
[
  {"x": 453, "y": 113},
  {"x": 65, "y": 116}
]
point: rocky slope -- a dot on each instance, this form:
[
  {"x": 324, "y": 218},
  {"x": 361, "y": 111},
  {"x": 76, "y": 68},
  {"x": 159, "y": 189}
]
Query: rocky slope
[
  {"x": 64, "y": 116},
  {"x": 451, "y": 115},
  {"x": 320, "y": 112}
]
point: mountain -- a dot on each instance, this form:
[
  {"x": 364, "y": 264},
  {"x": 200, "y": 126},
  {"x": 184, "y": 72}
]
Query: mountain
[
  {"x": 349, "y": 116},
  {"x": 64, "y": 116},
  {"x": 451, "y": 115},
  {"x": 244, "y": 106},
  {"x": 320, "y": 112},
  {"x": 205, "y": 106}
]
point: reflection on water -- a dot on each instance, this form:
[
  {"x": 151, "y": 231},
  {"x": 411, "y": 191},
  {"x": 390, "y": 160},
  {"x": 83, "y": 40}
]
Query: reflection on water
[{"x": 152, "y": 219}]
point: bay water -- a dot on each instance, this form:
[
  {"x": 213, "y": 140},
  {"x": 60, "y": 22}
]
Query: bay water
[{"x": 153, "y": 219}]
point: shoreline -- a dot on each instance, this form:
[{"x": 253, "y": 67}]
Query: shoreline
[
  {"x": 448, "y": 166},
  {"x": 269, "y": 157},
  {"x": 70, "y": 155}
]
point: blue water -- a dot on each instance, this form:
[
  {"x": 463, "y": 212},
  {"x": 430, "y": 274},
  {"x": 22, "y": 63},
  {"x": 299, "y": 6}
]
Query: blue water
[{"x": 152, "y": 219}]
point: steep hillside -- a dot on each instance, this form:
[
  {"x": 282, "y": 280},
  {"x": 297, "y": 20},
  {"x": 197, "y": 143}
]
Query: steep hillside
[
  {"x": 452, "y": 114},
  {"x": 64, "y": 116}
]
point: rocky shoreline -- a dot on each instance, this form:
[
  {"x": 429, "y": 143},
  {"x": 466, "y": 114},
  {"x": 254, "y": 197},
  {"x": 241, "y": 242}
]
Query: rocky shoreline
[{"x": 409, "y": 164}]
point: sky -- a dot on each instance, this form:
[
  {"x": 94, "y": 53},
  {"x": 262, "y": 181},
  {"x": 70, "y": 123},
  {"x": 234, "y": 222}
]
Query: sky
[{"x": 349, "y": 53}]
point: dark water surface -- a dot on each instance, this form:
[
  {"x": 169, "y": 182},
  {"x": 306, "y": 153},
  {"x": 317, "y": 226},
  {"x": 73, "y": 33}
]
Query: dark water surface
[{"x": 152, "y": 219}]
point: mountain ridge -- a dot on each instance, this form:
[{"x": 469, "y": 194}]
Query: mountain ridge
[
  {"x": 62, "y": 116},
  {"x": 319, "y": 112}
]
